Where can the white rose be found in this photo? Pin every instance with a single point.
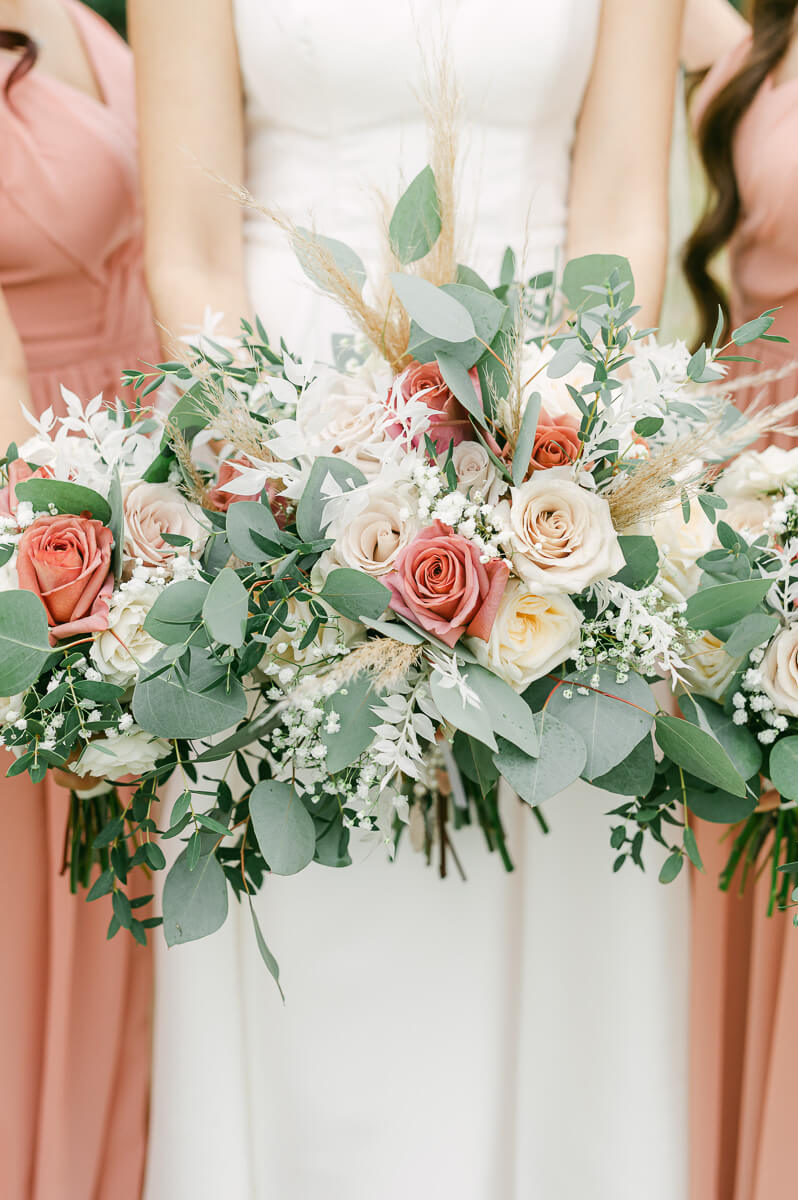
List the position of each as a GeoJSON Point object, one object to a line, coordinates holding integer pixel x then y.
{"type": "Point", "coordinates": [680, 545]}
{"type": "Point", "coordinates": [475, 472]}
{"type": "Point", "coordinates": [757, 472]}
{"type": "Point", "coordinates": [708, 669]}
{"type": "Point", "coordinates": [748, 516]}
{"type": "Point", "coordinates": [117, 754]}
{"type": "Point", "coordinates": [779, 671]}
{"type": "Point", "coordinates": [561, 536]}
{"type": "Point", "coordinates": [153, 509]}
{"type": "Point", "coordinates": [117, 650]}
{"type": "Point", "coordinates": [531, 635]}
{"type": "Point", "coordinates": [374, 527]}
{"type": "Point", "coordinates": [345, 414]}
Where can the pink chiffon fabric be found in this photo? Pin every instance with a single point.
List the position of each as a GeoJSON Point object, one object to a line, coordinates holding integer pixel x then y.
{"type": "Point", "coordinates": [744, 1020]}
{"type": "Point", "coordinates": [74, 1008]}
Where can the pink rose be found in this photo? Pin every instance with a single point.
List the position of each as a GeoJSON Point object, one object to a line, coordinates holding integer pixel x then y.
{"type": "Point", "coordinates": [442, 585]}
{"type": "Point", "coordinates": [449, 421]}
{"type": "Point", "coordinates": [18, 472]}
{"type": "Point", "coordinates": [65, 561]}
{"type": "Point", "coordinates": [220, 499]}
{"type": "Point", "coordinates": [556, 442]}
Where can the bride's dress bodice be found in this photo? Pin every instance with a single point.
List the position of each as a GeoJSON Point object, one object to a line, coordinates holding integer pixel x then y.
{"type": "Point", "coordinates": [333, 116]}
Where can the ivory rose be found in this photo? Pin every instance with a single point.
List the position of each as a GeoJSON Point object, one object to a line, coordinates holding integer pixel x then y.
{"type": "Point", "coordinates": [372, 538]}
{"type": "Point", "coordinates": [442, 585]}
{"type": "Point", "coordinates": [748, 515]}
{"type": "Point", "coordinates": [66, 562]}
{"type": "Point", "coordinates": [561, 536]}
{"type": "Point", "coordinates": [115, 755]}
{"type": "Point", "coordinates": [757, 472]}
{"type": "Point", "coordinates": [779, 671]}
{"type": "Point", "coordinates": [448, 420]}
{"type": "Point", "coordinates": [531, 635]}
{"type": "Point", "coordinates": [708, 669]}
{"type": "Point", "coordinates": [681, 543]}
{"type": "Point", "coordinates": [117, 651]}
{"type": "Point", "coordinates": [153, 509]}
{"type": "Point", "coordinates": [345, 415]}
{"type": "Point", "coordinates": [475, 472]}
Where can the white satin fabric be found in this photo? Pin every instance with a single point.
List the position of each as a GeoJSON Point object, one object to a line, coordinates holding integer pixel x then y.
{"type": "Point", "coordinates": [515, 1037]}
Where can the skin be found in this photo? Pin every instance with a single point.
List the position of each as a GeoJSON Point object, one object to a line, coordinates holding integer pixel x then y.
{"type": "Point", "coordinates": [190, 111]}
{"type": "Point", "coordinates": [711, 29]}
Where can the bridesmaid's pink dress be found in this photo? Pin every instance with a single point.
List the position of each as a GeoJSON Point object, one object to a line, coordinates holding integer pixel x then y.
{"type": "Point", "coordinates": [74, 1008]}
{"type": "Point", "coordinates": [744, 964]}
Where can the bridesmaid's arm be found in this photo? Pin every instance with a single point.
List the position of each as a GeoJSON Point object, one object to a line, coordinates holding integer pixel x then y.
{"type": "Point", "coordinates": [619, 180]}
{"type": "Point", "coordinates": [190, 122]}
{"type": "Point", "coordinates": [711, 29]}
{"type": "Point", "coordinates": [13, 383]}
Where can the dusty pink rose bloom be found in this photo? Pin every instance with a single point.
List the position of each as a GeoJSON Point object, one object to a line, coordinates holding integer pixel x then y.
{"type": "Point", "coordinates": [449, 421]}
{"type": "Point", "coordinates": [18, 472]}
{"type": "Point", "coordinates": [65, 561]}
{"type": "Point", "coordinates": [440, 583]}
{"type": "Point", "coordinates": [556, 442]}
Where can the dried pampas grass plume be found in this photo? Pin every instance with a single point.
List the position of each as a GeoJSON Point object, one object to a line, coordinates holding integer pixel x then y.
{"type": "Point", "coordinates": [653, 488]}
{"type": "Point", "coordinates": [440, 101]}
{"type": "Point", "coordinates": [387, 661]}
{"type": "Point", "coordinates": [195, 484]}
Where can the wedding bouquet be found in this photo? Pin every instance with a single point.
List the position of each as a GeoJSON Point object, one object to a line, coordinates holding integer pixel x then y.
{"type": "Point", "coordinates": [406, 576]}
{"type": "Point", "coordinates": [742, 678]}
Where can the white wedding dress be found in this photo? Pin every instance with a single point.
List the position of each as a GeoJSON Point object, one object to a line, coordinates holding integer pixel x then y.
{"type": "Point", "coordinates": [514, 1037]}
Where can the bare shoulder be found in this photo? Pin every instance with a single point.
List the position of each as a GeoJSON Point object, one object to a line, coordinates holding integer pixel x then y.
{"type": "Point", "coordinates": [712, 29]}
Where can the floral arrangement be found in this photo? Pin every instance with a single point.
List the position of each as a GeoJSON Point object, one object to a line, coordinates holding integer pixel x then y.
{"type": "Point", "coordinates": [359, 596]}
{"type": "Point", "coordinates": [741, 678]}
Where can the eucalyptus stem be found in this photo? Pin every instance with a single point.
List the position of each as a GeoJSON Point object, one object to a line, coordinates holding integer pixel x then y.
{"type": "Point", "coordinates": [774, 872]}
{"type": "Point", "coordinates": [737, 851]}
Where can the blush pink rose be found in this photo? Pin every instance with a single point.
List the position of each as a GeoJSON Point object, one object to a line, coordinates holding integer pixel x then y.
{"type": "Point", "coordinates": [220, 499]}
{"type": "Point", "coordinates": [556, 442]}
{"type": "Point", "coordinates": [441, 584]}
{"type": "Point", "coordinates": [449, 421]}
{"type": "Point", "coordinates": [18, 472]}
{"type": "Point", "coordinates": [66, 562]}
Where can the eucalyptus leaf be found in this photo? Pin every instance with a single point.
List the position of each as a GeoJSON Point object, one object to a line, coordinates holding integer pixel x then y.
{"type": "Point", "coordinates": [355, 595]}
{"type": "Point", "coordinates": [116, 523]}
{"type": "Point", "coordinates": [467, 715]}
{"type": "Point", "coordinates": [460, 383]}
{"type": "Point", "coordinates": [487, 315]}
{"type": "Point", "coordinates": [355, 733]}
{"type": "Point", "coordinates": [272, 965]}
{"type": "Point", "coordinates": [724, 603]}
{"type": "Point", "coordinates": [752, 631]}
{"type": "Point", "coordinates": [248, 516]}
{"type": "Point", "coordinates": [346, 259]}
{"type": "Point", "coordinates": [594, 270]}
{"type": "Point", "coordinates": [699, 753]}
{"type": "Point", "coordinates": [24, 641]}
{"type": "Point", "coordinates": [720, 807]}
{"type": "Point", "coordinates": [194, 901]}
{"type": "Point", "coordinates": [510, 715]}
{"type": "Point", "coordinates": [560, 760]}
{"type": "Point", "coordinates": [317, 492]}
{"type": "Point", "coordinates": [524, 446]}
{"type": "Point", "coordinates": [438, 314]}
{"type": "Point", "coordinates": [65, 496]}
{"type": "Point", "coordinates": [225, 609]}
{"type": "Point", "coordinates": [642, 560]}
{"type": "Point", "coordinates": [783, 767]}
{"type": "Point", "coordinates": [611, 719]}
{"type": "Point", "coordinates": [634, 775]}
{"type": "Point", "coordinates": [416, 222]}
{"type": "Point", "coordinates": [203, 703]}
{"type": "Point", "coordinates": [738, 742]}
{"type": "Point", "coordinates": [283, 826]}
{"type": "Point", "coordinates": [176, 612]}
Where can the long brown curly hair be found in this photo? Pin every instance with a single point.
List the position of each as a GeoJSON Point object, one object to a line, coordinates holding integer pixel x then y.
{"type": "Point", "coordinates": [12, 39]}
{"type": "Point", "coordinates": [773, 22]}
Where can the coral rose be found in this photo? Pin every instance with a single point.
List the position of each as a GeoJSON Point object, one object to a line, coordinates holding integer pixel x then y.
{"type": "Point", "coordinates": [66, 561]}
{"type": "Point", "coordinates": [556, 443]}
{"type": "Point", "coordinates": [449, 421]}
{"type": "Point", "coordinates": [442, 585]}
{"type": "Point", "coordinates": [220, 499]}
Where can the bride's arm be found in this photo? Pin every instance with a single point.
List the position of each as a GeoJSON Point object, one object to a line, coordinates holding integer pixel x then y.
{"type": "Point", "coordinates": [711, 29]}
{"type": "Point", "coordinates": [619, 181]}
{"type": "Point", "coordinates": [190, 122]}
{"type": "Point", "coordinates": [13, 383]}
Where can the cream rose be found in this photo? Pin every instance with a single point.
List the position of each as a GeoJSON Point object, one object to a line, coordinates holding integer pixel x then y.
{"type": "Point", "coordinates": [758, 472]}
{"type": "Point", "coordinates": [369, 538]}
{"type": "Point", "coordinates": [748, 516]}
{"type": "Point", "coordinates": [153, 509]}
{"type": "Point", "coordinates": [117, 650]}
{"type": "Point", "coordinates": [561, 536]}
{"type": "Point", "coordinates": [475, 472]}
{"type": "Point", "coordinates": [115, 755]}
{"type": "Point", "coordinates": [708, 669]}
{"type": "Point", "coordinates": [779, 671]}
{"type": "Point", "coordinates": [531, 635]}
{"type": "Point", "coordinates": [681, 543]}
{"type": "Point", "coordinates": [343, 414]}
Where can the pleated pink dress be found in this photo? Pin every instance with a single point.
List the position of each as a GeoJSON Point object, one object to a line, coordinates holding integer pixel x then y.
{"type": "Point", "coordinates": [744, 1002]}
{"type": "Point", "coordinates": [74, 1008]}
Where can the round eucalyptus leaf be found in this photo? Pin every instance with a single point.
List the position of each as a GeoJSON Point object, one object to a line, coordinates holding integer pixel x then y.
{"type": "Point", "coordinates": [194, 900]}
{"type": "Point", "coordinates": [283, 826]}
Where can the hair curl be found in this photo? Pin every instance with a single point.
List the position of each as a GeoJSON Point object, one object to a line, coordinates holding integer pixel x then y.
{"type": "Point", "coordinates": [773, 23]}
{"type": "Point", "coordinates": [12, 39]}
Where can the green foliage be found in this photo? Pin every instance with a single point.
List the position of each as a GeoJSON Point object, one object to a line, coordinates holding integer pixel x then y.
{"type": "Point", "coordinates": [66, 497]}
{"type": "Point", "coordinates": [560, 760]}
{"type": "Point", "coordinates": [484, 314]}
{"type": "Point", "coordinates": [194, 899]}
{"type": "Point", "coordinates": [435, 312]}
{"type": "Point", "coordinates": [195, 700]}
{"type": "Point", "coordinates": [114, 11]}
{"type": "Point", "coordinates": [24, 641]}
{"type": "Point", "coordinates": [611, 717]}
{"type": "Point", "coordinates": [283, 826]}
{"type": "Point", "coordinates": [416, 221]}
